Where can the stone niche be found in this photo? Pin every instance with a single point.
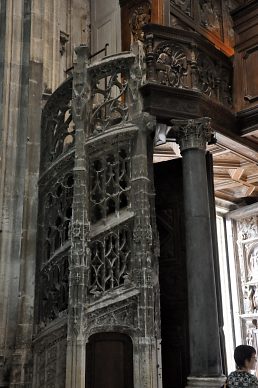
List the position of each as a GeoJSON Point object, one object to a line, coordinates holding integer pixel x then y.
{"type": "Point", "coordinates": [247, 252]}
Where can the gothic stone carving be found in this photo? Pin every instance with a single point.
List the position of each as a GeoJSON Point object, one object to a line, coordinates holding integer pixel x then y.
{"type": "Point", "coordinates": [248, 228]}
{"type": "Point", "coordinates": [110, 175]}
{"type": "Point", "coordinates": [122, 314]}
{"type": "Point", "coordinates": [57, 129]}
{"type": "Point", "coordinates": [50, 359]}
{"type": "Point", "coordinates": [110, 260]}
{"type": "Point", "coordinates": [64, 38]}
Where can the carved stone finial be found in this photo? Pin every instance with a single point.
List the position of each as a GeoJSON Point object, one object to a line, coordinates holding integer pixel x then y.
{"type": "Point", "coordinates": [82, 51]}
{"type": "Point", "coordinates": [193, 133]}
{"type": "Point", "coordinates": [81, 87]}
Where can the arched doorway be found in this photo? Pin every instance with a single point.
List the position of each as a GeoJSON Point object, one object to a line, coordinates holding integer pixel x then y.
{"type": "Point", "coordinates": [109, 361]}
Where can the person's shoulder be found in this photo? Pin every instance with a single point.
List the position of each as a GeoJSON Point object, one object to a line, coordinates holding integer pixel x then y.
{"type": "Point", "coordinates": [235, 373]}
{"type": "Point", "coordinates": [253, 379]}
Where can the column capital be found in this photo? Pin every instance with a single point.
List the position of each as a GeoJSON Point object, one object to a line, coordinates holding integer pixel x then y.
{"type": "Point", "coordinates": [192, 133]}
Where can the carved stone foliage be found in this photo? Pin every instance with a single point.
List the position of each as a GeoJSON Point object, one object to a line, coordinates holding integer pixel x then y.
{"type": "Point", "coordinates": [53, 281]}
{"type": "Point", "coordinates": [184, 5]}
{"type": "Point", "coordinates": [139, 16]}
{"type": "Point", "coordinates": [110, 260]}
{"type": "Point", "coordinates": [192, 133]}
{"type": "Point", "coordinates": [57, 125]}
{"type": "Point", "coordinates": [110, 175]}
{"type": "Point", "coordinates": [171, 65]}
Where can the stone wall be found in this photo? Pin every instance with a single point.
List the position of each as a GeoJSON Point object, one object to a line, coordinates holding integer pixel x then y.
{"type": "Point", "coordinates": [37, 38]}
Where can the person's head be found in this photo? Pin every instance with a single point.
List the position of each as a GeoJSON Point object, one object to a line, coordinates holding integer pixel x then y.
{"type": "Point", "coordinates": [245, 357]}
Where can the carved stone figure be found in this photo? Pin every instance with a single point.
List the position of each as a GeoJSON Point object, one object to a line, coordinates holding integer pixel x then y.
{"type": "Point", "coordinates": [248, 294]}
{"type": "Point", "coordinates": [255, 300]}
{"type": "Point", "coordinates": [253, 264]}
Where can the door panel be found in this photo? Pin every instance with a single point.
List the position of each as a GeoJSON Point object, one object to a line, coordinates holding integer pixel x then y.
{"type": "Point", "coordinates": [109, 361]}
{"type": "Point", "coordinates": [105, 26]}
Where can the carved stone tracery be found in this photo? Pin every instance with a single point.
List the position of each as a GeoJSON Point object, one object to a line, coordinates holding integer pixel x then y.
{"type": "Point", "coordinates": [110, 183]}
{"type": "Point", "coordinates": [110, 261]}
{"type": "Point", "coordinates": [95, 198]}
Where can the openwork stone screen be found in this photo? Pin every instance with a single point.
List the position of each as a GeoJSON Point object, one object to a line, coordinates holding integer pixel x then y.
{"type": "Point", "coordinates": [95, 259]}
{"type": "Point", "coordinates": [56, 184]}
{"type": "Point", "coordinates": [110, 260]}
{"type": "Point", "coordinates": [110, 175]}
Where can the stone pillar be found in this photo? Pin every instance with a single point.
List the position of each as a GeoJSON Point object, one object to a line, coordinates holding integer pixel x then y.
{"type": "Point", "coordinates": [205, 355]}
{"type": "Point", "coordinates": [76, 341]}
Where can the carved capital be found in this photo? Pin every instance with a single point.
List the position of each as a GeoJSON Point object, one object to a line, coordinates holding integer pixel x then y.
{"type": "Point", "coordinates": [193, 133]}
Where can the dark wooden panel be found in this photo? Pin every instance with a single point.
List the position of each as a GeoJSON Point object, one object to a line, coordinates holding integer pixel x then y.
{"type": "Point", "coordinates": [135, 14]}
{"type": "Point", "coordinates": [246, 57]}
{"type": "Point", "coordinates": [172, 269]}
{"type": "Point", "coordinates": [109, 361]}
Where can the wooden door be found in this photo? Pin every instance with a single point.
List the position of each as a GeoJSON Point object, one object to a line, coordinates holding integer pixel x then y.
{"type": "Point", "coordinates": [105, 26]}
{"type": "Point", "coordinates": [109, 361]}
{"type": "Point", "coordinates": [172, 269]}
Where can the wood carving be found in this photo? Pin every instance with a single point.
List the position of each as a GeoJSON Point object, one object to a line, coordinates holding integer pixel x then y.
{"type": "Point", "coordinates": [210, 16]}
{"type": "Point", "coordinates": [184, 5]}
{"type": "Point", "coordinates": [140, 15]}
{"type": "Point", "coordinates": [171, 66]}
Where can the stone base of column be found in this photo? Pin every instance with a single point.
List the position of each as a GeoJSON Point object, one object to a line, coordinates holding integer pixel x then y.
{"type": "Point", "coordinates": [205, 382]}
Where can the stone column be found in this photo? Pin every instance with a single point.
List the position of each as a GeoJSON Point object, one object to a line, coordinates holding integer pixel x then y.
{"type": "Point", "coordinates": [205, 355]}
{"type": "Point", "coordinates": [76, 341]}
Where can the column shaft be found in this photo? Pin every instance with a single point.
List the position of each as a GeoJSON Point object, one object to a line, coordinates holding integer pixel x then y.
{"type": "Point", "coordinates": [205, 356]}
{"type": "Point", "coordinates": [203, 318]}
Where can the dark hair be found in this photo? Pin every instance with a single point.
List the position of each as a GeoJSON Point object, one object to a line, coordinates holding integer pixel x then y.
{"type": "Point", "coordinates": [243, 353]}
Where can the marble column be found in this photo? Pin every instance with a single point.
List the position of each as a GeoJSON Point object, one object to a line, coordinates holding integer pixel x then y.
{"type": "Point", "coordinates": [205, 354]}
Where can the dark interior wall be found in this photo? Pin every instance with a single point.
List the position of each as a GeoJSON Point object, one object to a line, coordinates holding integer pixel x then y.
{"type": "Point", "coordinates": [172, 273]}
